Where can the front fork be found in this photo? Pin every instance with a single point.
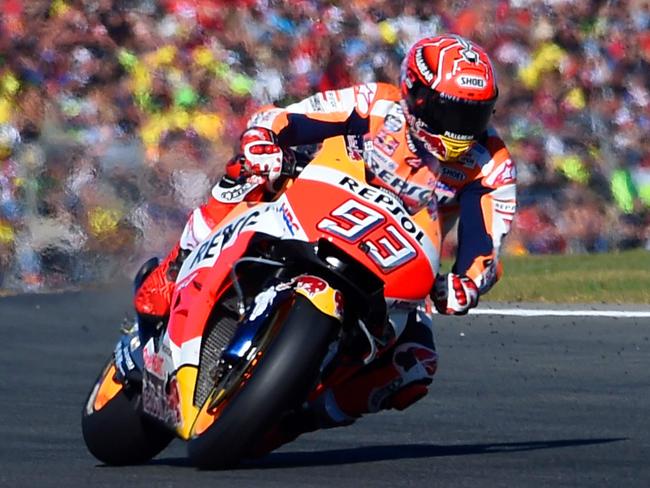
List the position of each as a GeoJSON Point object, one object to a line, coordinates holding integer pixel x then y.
{"type": "Point", "coordinates": [325, 298]}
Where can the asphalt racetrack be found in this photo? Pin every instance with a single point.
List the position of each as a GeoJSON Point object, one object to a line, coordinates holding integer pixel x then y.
{"type": "Point", "coordinates": [517, 402]}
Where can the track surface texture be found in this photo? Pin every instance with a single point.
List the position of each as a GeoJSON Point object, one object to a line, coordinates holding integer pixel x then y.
{"type": "Point", "coordinates": [517, 402]}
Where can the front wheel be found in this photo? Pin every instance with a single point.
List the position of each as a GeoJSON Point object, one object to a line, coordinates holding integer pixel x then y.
{"type": "Point", "coordinates": [114, 429]}
{"type": "Point", "coordinates": [287, 368]}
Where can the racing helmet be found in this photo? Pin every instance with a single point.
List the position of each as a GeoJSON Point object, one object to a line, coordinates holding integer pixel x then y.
{"type": "Point", "coordinates": [448, 94]}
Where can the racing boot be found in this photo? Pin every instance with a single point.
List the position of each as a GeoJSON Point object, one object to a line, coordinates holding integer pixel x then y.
{"type": "Point", "coordinates": [153, 294]}
{"type": "Point", "coordinates": [154, 285]}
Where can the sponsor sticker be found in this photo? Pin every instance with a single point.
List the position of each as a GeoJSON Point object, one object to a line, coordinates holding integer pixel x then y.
{"type": "Point", "coordinates": [389, 203]}
{"type": "Point", "coordinates": [454, 174]}
{"type": "Point", "coordinates": [364, 96]}
{"type": "Point", "coordinates": [316, 103]}
{"type": "Point", "coordinates": [444, 191]}
{"type": "Point", "coordinates": [470, 81]}
{"type": "Point", "coordinates": [332, 100]}
{"type": "Point", "coordinates": [234, 194]}
{"type": "Point", "coordinates": [289, 218]}
{"type": "Point", "coordinates": [354, 145]}
{"type": "Point", "coordinates": [394, 120]}
{"type": "Point", "coordinates": [157, 403]}
{"type": "Point", "coordinates": [262, 302]}
{"type": "Point", "coordinates": [504, 174]}
{"type": "Point", "coordinates": [311, 285]}
{"type": "Point", "coordinates": [386, 142]}
{"type": "Point", "coordinates": [153, 362]}
{"type": "Point", "coordinates": [265, 118]}
{"type": "Point", "coordinates": [422, 66]}
{"type": "Point", "coordinates": [505, 207]}
{"type": "Point", "coordinates": [207, 254]}
{"type": "Point", "coordinates": [379, 161]}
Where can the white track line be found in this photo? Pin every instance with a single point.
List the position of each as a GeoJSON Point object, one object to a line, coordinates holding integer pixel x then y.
{"type": "Point", "coordinates": [527, 312]}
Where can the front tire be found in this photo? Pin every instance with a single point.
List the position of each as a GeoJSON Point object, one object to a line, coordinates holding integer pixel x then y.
{"type": "Point", "coordinates": [117, 433]}
{"type": "Point", "coordinates": [286, 371]}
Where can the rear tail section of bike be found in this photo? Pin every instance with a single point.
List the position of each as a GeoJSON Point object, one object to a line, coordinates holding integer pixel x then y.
{"type": "Point", "coordinates": [113, 425]}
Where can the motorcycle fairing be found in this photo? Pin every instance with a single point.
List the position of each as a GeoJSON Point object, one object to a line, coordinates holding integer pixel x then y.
{"type": "Point", "coordinates": [396, 242]}
{"type": "Point", "coordinates": [296, 215]}
{"type": "Point", "coordinates": [205, 271]}
{"type": "Point", "coordinates": [199, 286]}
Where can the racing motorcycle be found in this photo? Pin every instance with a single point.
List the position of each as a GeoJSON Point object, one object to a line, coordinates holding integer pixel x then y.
{"type": "Point", "coordinates": [283, 300]}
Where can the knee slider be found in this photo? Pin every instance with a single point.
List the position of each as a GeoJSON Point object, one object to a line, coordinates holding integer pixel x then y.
{"type": "Point", "coordinates": [415, 362]}
{"type": "Point", "coordinates": [408, 395]}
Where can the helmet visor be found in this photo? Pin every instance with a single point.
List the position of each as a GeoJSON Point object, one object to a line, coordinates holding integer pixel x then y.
{"type": "Point", "coordinates": [451, 116]}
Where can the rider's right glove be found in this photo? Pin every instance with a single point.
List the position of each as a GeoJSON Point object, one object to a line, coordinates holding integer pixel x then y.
{"type": "Point", "coordinates": [262, 154]}
{"type": "Point", "coordinates": [454, 294]}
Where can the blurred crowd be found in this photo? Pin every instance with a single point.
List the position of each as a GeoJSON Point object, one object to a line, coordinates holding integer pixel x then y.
{"type": "Point", "coordinates": [116, 116]}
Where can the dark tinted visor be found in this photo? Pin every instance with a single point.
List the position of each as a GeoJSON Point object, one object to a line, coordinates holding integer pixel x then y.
{"type": "Point", "coordinates": [444, 114]}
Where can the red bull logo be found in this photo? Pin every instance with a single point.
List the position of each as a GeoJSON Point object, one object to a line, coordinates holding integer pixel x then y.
{"type": "Point", "coordinates": [289, 219]}
{"type": "Point", "coordinates": [321, 295]}
{"type": "Point", "coordinates": [311, 285]}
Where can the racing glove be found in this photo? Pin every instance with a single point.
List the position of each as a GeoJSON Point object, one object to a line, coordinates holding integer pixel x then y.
{"type": "Point", "coordinates": [263, 155]}
{"type": "Point", "coordinates": [454, 294]}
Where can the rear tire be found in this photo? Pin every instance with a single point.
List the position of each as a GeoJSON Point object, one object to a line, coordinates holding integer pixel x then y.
{"type": "Point", "coordinates": [286, 372]}
{"type": "Point", "coordinates": [118, 433]}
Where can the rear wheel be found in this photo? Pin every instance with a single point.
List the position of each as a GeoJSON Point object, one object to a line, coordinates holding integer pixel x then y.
{"type": "Point", "coordinates": [286, 368]}
{"type": "Point", "coordinates": [113, 427]}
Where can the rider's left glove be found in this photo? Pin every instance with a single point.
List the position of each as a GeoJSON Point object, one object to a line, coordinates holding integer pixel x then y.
{"type": "Point", "coordinates": [454, 294]}
{"type": "Point", "coordinates": [263, 155]}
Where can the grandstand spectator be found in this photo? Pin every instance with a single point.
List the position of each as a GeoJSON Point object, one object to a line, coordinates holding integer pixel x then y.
{"type": "Point", "coordinates": [134, 88]}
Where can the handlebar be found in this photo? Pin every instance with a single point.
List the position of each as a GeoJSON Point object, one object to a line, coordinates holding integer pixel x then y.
{"type": "Point", "coordinates": [295, 160]}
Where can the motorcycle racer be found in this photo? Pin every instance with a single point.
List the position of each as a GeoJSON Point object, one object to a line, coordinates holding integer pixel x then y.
{"type": "Point", "coordinates": [428, 141]}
